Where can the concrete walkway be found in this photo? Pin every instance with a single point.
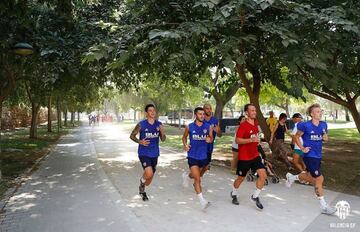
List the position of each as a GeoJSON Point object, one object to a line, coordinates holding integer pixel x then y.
{"type": "Point", "coordinates": [71, 192]}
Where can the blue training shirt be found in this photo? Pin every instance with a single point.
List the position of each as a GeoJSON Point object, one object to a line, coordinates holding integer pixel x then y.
{"type": "Point", "coordinates": [198, 144]}
{"type": "Point", "coordinates": [313, 137]}
{"type": "Point", "coordinates": [212, 122]}
{"type": "Point", "coordinates": [149, 132]}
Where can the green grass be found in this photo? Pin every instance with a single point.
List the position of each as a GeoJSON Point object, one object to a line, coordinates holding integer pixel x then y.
{"type": "Point", "coordinates": [20, 153]}
{"type": "Point", "coordinates": [344, 135]}
{"type": "Point", "coordinates": [19, 139]}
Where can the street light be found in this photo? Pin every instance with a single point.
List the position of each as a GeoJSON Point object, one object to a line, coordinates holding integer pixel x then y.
{"type": "Point", "coordinates": [23, 49]}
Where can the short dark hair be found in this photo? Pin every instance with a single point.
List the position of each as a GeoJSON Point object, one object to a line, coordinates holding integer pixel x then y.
{"type": "Point", "coordinates": [148, 106]}
{"type": "Point", "coordinates": [241, 117]}
{"type": "Point", "coordinates": [282, 116]}
{"type": "Point", "coordinates": [246, 107]}
{"type": "Point", "coordinates": [198, 109]}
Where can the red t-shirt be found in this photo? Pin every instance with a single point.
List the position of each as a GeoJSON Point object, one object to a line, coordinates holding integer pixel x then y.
{"type": "Point", "coordinates": [247, 151]}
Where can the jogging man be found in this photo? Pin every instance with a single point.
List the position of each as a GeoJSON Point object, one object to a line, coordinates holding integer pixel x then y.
{"type": "Point", "coordinates": [150, 131]}
{"type": "Point", "coordinates": [214, 123]}
{"type": "Point", "coordinates": [248, 139]}
{"type": "Point", "coordinates": [313, 133]}
{"type": "Point", "coordinates": [200, 134]}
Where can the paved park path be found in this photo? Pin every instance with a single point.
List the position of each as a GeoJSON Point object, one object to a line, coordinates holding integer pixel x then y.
{"type": "Point", "coordinates": [90, 182]}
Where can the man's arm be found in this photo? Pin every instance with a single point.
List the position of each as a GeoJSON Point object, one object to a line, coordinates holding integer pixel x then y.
{"type": "Point", "coordinates": [162, 133]}
{"type": "Point", "coordinates": [184, 139]}
{"type": "Point", "coordinates": [134, 133]}
{"type": "Point", "coordinates": [218, 130]}
{"type": "Point", "coordinates": [298, 142]}
{"type": "Point", "coordinates": [210, 138]}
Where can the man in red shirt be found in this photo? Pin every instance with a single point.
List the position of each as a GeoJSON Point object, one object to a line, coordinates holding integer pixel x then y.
{"type": "Point", "coordinates": [247, 137]}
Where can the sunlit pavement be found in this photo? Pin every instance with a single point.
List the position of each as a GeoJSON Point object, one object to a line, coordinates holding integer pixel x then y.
{"type": "Point", "coordinates": [71, 192]}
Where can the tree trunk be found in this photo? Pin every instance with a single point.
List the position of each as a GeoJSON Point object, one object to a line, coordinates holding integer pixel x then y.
{"type": "Point", "coordinates": [49, 126]}
{"type": "Point", "coordinates": [58, 111]}
{"type": "Point", "coordinates": [254, 95]}
{"type": "Point", "coordinates": [34, 115]}
{"type": "Point", "coordinates": [219, 108]}
{"type": "Point", "coordinates": [355, 114]}
{"type": "Point", "coordinates": [134, 115]}
{"type": "Point", "coordinates": [65, 116]}
{"type": "Point", "coordinates": [179, 119]}
{"type": "Point", "coordinates": [78, 116]}
{"type": "Point", "coordinates": [347, 116]}
{"type": "Point", "coordinates": [0, 122]}
{"type": "Point", "coordinates": [73, 118]}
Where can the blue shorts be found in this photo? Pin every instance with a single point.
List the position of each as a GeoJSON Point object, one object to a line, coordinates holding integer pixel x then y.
{"type": "Point", "coordinates": [195, 162]}
{"type": "Point", "coordinates": [313, 166]}
{"type": "Point", "coordinates": [147, 161]}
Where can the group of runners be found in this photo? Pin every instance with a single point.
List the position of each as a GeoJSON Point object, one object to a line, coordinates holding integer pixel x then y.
{"type": "Point", "coordinates": [198, 141]}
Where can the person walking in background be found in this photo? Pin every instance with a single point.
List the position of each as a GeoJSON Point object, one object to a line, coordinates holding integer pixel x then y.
{"type": "Point", "coordinates": [271, 121]}
{"type": "Point", "coordinates": [297, 153]}
{"type": "Point", "coordinates": [280, 150]}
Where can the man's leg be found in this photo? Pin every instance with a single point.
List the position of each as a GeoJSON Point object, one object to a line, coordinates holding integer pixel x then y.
{"type": "Point", "coordinates": [207, 167]}
{"type": "Point", "coordinates": [148, 175]}
{"type": "Point", "coordinates": [260, 182]}
{"type": "Point", "coordinates": [296, 162]}
{"type": "Point", "coordinates": [242, 169]}
{"type": "Point", "coordinates": [234, 161]}
{"type": "Point", "coordinates": [195, 174]}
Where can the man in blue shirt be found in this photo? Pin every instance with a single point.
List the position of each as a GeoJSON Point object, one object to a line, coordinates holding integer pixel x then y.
{"type": "Point", "coordinates": [214, 122]}
{"type": "Point", "coordinates": [200, 134]}
{"type": "Point", "coordinates": [313, 133]}
{"type": "Point", "coordinates": [150, 131]}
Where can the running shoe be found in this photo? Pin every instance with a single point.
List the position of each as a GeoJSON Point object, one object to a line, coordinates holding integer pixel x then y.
{"type": "Point", "coordinates": [328, 210]}
{"type": "Point", "coordinates": [289, 179]}
{"type": "Point", "coordinates": [144, 196]}
{"type": "Point", "coordinates": [234, 199]}
{"type": "Point", "coordinates": [257, 202]}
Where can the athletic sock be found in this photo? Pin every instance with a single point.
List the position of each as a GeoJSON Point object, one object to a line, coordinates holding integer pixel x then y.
{"type": "Point", "coordinates": [322, 201]}
{"type": "Point", "coordinates": [142, 180]}
{"type": "Point", "coordinates": [234, 191]}
{"type": "Point", "coordinates": [201, 198]}
{"type": "Point", "coordinates": [296, 177]}
{"type": "Point", "coordinates": [256, 193]}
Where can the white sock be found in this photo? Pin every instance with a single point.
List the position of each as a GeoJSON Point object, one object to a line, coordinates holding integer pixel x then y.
{"type": "Point", "coordinates": [256, 193]}
{"type": "Point", "coordinates": [322, 201]}
{"type": "Point", "coordinates": [201, 198]}
{"type": "Point", "coordinates": [234, 191]}
{"type": "Point", "coordinates": [142, 180]}
{"type": "Point", "coordinates": [296, 177]}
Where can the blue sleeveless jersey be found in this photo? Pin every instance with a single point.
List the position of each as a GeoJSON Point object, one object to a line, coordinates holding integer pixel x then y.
{"type": "Point", "coordinates": [212, 122]}
{"type": "Point", "coordinates": [150, 132]}
{"type": "Point", "coordinates": [198, 134]}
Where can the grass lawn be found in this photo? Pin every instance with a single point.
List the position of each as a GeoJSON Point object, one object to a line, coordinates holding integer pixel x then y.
{"type": "Point", "coordinates": [20, 153]}
{"type": "Point", "coordinates": [344, 134]}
